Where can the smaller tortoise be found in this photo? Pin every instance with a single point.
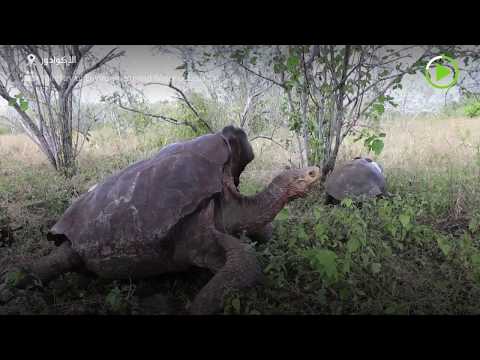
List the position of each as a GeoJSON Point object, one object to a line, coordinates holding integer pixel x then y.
{"type": "Point", "coordinates": [360, 178]}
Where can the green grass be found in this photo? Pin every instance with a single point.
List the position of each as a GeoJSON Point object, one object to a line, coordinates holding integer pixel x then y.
{"type": "Point", "coordinates": [416, 253]}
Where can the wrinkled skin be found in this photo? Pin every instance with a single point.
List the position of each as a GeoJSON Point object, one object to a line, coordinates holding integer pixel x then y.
{"type": "Point", "coordinates": [360, 178]}
{"type": "Point", "coordinates": [181, 208]}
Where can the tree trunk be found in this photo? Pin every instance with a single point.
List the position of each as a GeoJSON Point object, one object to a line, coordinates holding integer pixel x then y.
{"type": "Point", "coordinates": [305, 137]}
{"type": "Point", "coordinates": [66, 151]}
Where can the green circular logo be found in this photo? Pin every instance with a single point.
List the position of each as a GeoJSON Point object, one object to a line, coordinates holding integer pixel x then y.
{"type": "Point", "coordinates": [442, 72]}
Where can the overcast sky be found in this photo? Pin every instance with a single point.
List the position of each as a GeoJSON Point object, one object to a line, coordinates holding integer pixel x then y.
{"type": "Point", "coordinates": [140, 63]}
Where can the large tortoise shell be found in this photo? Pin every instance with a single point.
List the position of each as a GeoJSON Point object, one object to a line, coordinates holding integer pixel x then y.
{"type": "Point", "coordinates": [141, 204]}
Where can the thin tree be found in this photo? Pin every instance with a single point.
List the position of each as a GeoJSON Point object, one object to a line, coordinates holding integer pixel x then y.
{"type": "Point", "coordinates": [43, 83]}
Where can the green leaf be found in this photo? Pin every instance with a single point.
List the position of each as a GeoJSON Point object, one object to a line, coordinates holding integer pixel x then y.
{"type": "Point", "coordinates": [474, 224]}
{"type": "Point", "coordinates": [325, 262]}
{"type": "Point", "coordinates": [23, 104]}
{"type": "Point", "coordinates": [353, 245]}
{"type": "Point", "coordinates": [475, 258]}
{"type": "Point", "coordinates": [376, 267]}
{"type": "Point", "coordinates": [293, 62]}
{"type": "Point", "coordinates": [347, 202]}
{"type": "Point", "coordinates": [114, 300]}
{"type": "Point", "coordinates": [320, 232]}
{"type": "Point", "coordinates": [318, 213]}
{"type": "Point", "coordinates": [328, 259]}
{"type": "Point", "coordinates": [12, 102]}
{"type": "Point", "coordinates": [377, 146]}
{"type": "Point", "coordinates": [378, 108]}
{"type": "Point", "coordinates": [405, 221]}
{"type": "Point", "coordinates": [390, 310]}
{"type": "Point", "coordinates": [301, 234]}
{"type": "Point", "coordinates": [443, 244]}
{"type": "Point", "coordinates": [282, 215]}
{"type": "Point", "coordinates": [236, 305]}
{"type": "Point", "coordinates": [14, 277]}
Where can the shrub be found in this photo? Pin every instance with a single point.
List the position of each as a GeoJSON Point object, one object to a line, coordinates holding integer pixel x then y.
{"type": "Point", "coordinates": [472, 109]}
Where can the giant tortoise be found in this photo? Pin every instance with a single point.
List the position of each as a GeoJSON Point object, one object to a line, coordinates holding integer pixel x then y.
{"type": "Point", "coordinates": [359, 179]}
{"type": "Point", "coordinates": [178, 209]}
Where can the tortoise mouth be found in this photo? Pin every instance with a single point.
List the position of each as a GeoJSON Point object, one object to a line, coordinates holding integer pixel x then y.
{"type": "Point", "coordinates": [312, 175]}
{"type": "Point", "coordinates": [306, 177]}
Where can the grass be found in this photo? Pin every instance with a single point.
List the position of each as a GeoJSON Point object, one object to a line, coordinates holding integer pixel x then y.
{"type": "Point", "coordinates": [417, 253]}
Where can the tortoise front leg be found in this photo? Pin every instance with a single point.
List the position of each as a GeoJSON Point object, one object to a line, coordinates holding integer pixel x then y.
{"type": "Point", "coordinates": [241, 270]}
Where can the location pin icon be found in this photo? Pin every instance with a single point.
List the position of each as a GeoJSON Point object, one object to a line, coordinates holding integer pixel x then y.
{"type": "Point", "coordinates": [31, 59]}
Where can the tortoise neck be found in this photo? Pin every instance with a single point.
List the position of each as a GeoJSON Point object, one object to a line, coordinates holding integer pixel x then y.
{"type": "Point", "coordinates": [250, 213]}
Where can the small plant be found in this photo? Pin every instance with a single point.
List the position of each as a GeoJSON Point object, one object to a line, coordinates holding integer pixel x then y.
{"type": "Point", "coordinates": [117, 300]}
{"type": "Point", "coordinates": [13, 278]}
{"type": "Point", "coordinates": [19, 100]}
{"type": "Point", "coordinates": [324, 262]}
{"type": "Point", "coordinates": [372, 141]}
{"type": "Point", "coordinates": [472, 109]}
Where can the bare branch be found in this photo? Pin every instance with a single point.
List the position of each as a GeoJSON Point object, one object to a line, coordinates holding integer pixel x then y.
{"type": "Point", "coordinates": [260, 75]}
{"type": "Point", "coordinates": [112, 54]}
{"type": "Point", "coordinates": [184, 98]}
{"type": "Point", "coordinates": [158, 116]}
{"type": "Point", "coordinates": [268, 138]}
{"type": "Point", "coordinates": [249, 103]}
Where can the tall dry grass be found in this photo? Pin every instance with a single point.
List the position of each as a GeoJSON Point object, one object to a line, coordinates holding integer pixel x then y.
{"type": "Point", "coordinates": [410, 145]}
{"type": "Point", "coordinates": [429, 143]}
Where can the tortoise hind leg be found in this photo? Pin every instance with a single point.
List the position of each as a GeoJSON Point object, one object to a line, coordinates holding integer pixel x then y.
{"type": "Point", "coordinates": [59, 261]}
{"type": "Point", "coordinates": [240, 270]}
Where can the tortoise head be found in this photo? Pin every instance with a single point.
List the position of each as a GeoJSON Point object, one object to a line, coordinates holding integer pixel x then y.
{"type": "Point", "coordinates": [297, 182]}
{"type": "Point", "coordinates": [242, 152]}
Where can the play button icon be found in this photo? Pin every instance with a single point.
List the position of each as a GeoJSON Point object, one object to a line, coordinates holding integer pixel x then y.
{"type": "Point", "coordinates": [441, 72]}
{"type": "Point", "coordinates": [445, 74]}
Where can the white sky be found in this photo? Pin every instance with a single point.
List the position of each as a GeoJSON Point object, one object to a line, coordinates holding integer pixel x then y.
{"type": "Point", "coordinates": [141, 63]}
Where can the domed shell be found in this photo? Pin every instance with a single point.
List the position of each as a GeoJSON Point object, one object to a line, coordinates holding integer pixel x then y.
{"type": "Point", "coordinates": [128, 213]}
{"type": "Point", "coordinates": [358, 178]}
